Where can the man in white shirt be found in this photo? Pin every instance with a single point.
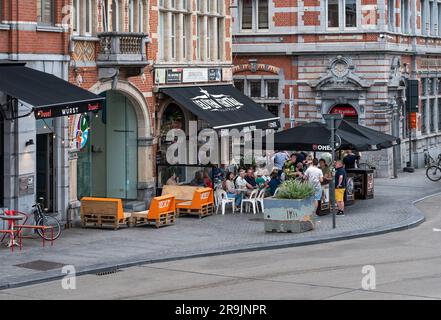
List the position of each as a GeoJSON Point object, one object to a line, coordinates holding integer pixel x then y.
{"type": "Point", "coordinates": [240, 182]}
{"type": "Point", "coordinates": [315, 176]}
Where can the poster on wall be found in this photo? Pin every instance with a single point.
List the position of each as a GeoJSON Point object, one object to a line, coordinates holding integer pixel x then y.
{"type": "Point", "coordinates": [81, 133]}
{"type": "Point", "coordinates": [174, 75]}
{"type": "Point", "coordinates": [227, 74]}
{"type": "Point", "coordinates": [214, 74]}
{"type": "Point", "coordinates": [159, 76]}
{"type": "Point", "coordinates": [195, 75]}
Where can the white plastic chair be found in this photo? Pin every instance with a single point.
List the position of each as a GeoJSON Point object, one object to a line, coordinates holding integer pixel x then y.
{"type": "Point", "coordinates": [252, 200]}
{"type": "Point", "coordinates": [223, 200]}
{"type": "Point", "coordinates": [275, 192]}
{"type": "Point", "coordinates": [259, 200]}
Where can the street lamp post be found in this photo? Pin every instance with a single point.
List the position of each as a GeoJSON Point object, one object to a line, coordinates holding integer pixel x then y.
{"type": "Point", "coordinates": [333, 122]}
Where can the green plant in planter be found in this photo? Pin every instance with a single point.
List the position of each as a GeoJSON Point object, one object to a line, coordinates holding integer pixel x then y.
{"type": "Point", "coordinates": [293, 189]}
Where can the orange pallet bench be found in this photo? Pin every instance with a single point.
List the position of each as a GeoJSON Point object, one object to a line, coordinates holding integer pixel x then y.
{"type": "Point", "coordinates": [201, 205]}
{"type": "Point", "coordinates": [162, 212]}
{"type": "Point", "coordinates": [103, 212]}
{"type": "Point", "coordinates": [181, 193]}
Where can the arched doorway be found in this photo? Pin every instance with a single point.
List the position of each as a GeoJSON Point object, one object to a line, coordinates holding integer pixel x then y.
{"type": "Point", "coordinates": [108, 163]}
{"type": "Point", "coordinates": [348, 111]}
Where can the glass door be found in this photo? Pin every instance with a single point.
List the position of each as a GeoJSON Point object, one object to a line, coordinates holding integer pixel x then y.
{"type": "Point", "coordinates": [2, 162]}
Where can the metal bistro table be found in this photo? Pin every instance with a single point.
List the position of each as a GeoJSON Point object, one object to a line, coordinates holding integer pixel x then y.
{"type": "Point", "coordinates": [12, 220]}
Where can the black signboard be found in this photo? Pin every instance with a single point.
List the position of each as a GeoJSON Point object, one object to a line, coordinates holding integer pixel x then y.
{"type": "Point", "coordinates": [174, 76]}
{"type": "Point", "coordinates": [412, 95]}
{"type": "Point", "coordinates": [66, 110]}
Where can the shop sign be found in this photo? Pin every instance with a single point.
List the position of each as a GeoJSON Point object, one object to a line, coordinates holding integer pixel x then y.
{"type": "Point", "coordinates": [214, 74]}
{"type": "Point", "coordinates": [321, 147]}
{"type": "Point", "coordinates": [61, 111]}
{"type": "Point", "coordinates": [81, 132]}
{"type": "Point", "coordinates": [174, 75]}
{"type": "Point", "coordinates": [346, 111]}
{"type": "Point", "coordinates": [216, 102]}
{"type": "Point", "coordinates": [159, 76]}
{"type": "Point", "coordinates": [195, 75]}
{"type": "Point", "coordinates": [227, 74]}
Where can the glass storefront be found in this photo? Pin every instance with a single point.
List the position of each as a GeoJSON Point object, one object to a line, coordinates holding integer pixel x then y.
{"type": "Point", "coordinates": [2, 157]}
{"type": "Point", "coordinates": [108, 163]}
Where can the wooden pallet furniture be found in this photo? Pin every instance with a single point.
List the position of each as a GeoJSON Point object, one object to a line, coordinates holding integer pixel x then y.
{"type": "Point", "coordinates": [202, 204]}
{"type": "Point", "coordinates": [181, 193]}
{"type": "Point", "coordinates": [162, 212]}
{"type": "Point", "coordinates": [103, 213]}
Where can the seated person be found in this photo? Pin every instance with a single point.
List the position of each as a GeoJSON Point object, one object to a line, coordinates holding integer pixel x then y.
{"type": "Point", "coordinates": [231, 191]}
{"type": "Point", "coordinates": [274, 183]}
{"type": "Point", "coordinates": [198, 180]}
{"type": "Point", "coordinates": [251, 181]}
{"type": "Point", "coordinates": [240, 180]}
{"type": "Point", "coordinates": [261, 179]}
{"type": "Point", "coordinates": [207, 181]}
{"type": "Point", "coordinates": [173, 180]}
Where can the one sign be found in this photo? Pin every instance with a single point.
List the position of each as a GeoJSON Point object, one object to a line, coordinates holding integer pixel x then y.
{"type": "Point", "coordinates": [81, 132]}
{"type": "Point", "coordinates": [227, 74]}
{"type": "Point", "coordinates": [67, 110]}
{"type": "Point", "coordinates": [194, 75]}
{"type": "Point", "coordinates": [214, 74]}
{"type": "Point", "coordinates": [174, 75]}
{"type": "Point", "coordinates": [216, 102]}
{"type": "Point", "coordinates": [346, 111]}
{"type": "Point", "coordinates": [412, 95]}
{"type": "Point", "coordinates": [321, 147]}
{"type": "Point", "coordinates": [159, 76]}
{"type": "Point", "coordinates": [413, 120]}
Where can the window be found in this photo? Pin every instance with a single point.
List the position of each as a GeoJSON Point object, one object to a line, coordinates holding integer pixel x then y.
{"type": "Point", "coordinates": [255, 88]}
{"type": "Point", "coordinates": [272, 88]}
{"type": "Point", "coordinates": [173, 37]}
{"type": "Point", "coordinates": [161, 40]}
{"type": "Point", "coordinates": [75, 16]}
{"type": "Point", "coordinates": [1, 13]}
{"type": "Point", "coordinates": [140, 16]}
{"type": "Point", "coordinates": [425, 17]}
{"type": "Point", "coordinates": [432, 25]}
{"type": "Point", "coordinates": [239, 85]}
{"type": "Point", "coordinates": [439, 114]}
{"type": "Point", "coordinates": [391, 14]}
{"type": "Point", "coordinates": [424, 116]}
{"type": "Point", "coordinates": [88, 17]}
{"type": "Point", "coordinates": [405, 16]}
{"type": "Point", "coordinates": [333, 21]}
{"type": "Point", "coordinates": [131, 14]}
{"type": "Point", "coordinates": [273, 108]}
{"type": "Point", "coordinates": [45, 12]}
{"type": "Point", "coordinates": [432, 115]}
{"type": "Point", "coordinates": [430, 84]}
{"type": "Point", "coordinates": [254, 15]}
{"type": "Point", "coordinates": [209, 38]}
{"type": "Point", "coordinates": [342, 13]}
{"type": "Point", "coordinates": [351, 13]}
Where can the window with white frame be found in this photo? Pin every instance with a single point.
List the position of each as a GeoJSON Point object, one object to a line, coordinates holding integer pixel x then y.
{"type": "Point", "coordinates": [254, 15]}
{"type": "Point", "coordinates": [405, 20]}
{"type": "Point", "coordinates": [391, 14]}
{"type": "Point", "coordinates": [45, 12]}
{"type": "Point", "coordinates": [82, 13]}
{"type": "Point", "coordinates": [341, 14]}
{"type": "Point", "coordinates": [425, 17]}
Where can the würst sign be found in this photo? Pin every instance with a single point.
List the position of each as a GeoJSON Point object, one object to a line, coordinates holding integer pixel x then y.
{"type": "Point", "coordinates": [67, 110]}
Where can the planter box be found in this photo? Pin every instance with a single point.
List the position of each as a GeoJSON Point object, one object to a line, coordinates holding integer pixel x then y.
{"type": "Point", "coordinates": [289, 215]}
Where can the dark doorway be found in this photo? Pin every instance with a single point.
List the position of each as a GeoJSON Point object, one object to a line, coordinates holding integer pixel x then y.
{"type": "Point", "coordinates": [45, 170]}
{"type": "Point", "coordinates": [2, 161]}
{"type": "Point", "coordinates": [349, 112]}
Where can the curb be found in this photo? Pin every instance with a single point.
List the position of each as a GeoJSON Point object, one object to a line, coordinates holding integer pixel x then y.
{"type": "Point", "coordinates": [412, 222]}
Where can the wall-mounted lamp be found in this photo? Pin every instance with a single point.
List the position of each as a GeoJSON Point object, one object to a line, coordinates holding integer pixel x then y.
{"type": "Point", "coordinates": [30, 142]}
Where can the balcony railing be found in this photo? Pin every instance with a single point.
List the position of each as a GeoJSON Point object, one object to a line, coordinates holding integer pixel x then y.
{"type": "Point", "coordinates": [122, 49]}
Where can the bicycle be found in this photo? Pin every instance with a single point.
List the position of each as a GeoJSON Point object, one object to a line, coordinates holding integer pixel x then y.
{"type": "Point", "coordinates": [42, 219]}
{"type": "Point", "coordinates": [433, 172]}
{"type": "Point", "coordinates": [429, 161]}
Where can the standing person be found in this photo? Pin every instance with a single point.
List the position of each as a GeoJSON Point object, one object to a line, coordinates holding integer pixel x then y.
{"type": "Point", "coordinates": [279, 159]}
{"type": "Point", "coordinates": [301, 157]}
{"type": "Point", "coordinates": [350, 160]}
{"type": "Point", "coordinates": [315, 176]}
{"type": "Point", "coordinates": [340, 187]}
{"type": "Point", "coordinates": [290, 167]}
{"type": "Point", "coordinates": [327, 175]}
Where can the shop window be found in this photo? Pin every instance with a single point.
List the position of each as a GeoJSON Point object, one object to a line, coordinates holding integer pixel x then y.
{"type": "Point", "coordinates": [273, 108]}
{"type": "Point", "coordinates": [254, 15]}
{"type": "Point", "coordinates": [255, 88]}
{"type": "Point", "coordinates": [272, 89]}
{"type": "Point", "coordinates": [239, 85]}
{"type": "Point", "coordinates": [45, 12]}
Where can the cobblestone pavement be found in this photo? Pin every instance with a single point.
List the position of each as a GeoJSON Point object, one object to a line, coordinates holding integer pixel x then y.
{"type": "Point", "coordinates": [90, 250]}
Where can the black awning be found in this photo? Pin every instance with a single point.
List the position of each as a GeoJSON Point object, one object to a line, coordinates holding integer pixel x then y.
{"type": "Point", "coordinates": [49, 95]}
{"type": "Point", "coordinates": [222, 106]}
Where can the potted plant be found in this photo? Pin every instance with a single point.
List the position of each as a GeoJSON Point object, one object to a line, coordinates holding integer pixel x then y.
{"type": "Point", "coordinates": [291, 209]}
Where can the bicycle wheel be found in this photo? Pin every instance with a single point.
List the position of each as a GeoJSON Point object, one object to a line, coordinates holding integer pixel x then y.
{"type": "Point", "coordinates": [364, 166]}
{"type": "Point", "coordinates": [433, 173]}
{"type": "Point", "coordinates": [49, 221]}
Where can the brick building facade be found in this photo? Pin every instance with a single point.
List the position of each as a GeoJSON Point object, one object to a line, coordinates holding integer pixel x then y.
{"type": "Point", "coordinates": [346, 56]}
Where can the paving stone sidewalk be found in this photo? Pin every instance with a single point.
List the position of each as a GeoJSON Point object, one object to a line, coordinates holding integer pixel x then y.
{"type": "Point", "coordinates": [93, 250]}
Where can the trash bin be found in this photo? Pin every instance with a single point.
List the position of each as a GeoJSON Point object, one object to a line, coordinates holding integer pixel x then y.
{"type": "Point", "coordinates": [363, 183]}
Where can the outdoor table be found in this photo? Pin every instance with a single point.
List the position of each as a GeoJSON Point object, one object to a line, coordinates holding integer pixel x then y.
{"type": "Point", "coordinates": [12, 220]}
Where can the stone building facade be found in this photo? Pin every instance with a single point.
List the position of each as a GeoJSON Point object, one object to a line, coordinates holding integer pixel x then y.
{"type": "Point", "coordinates": [345, 56]}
